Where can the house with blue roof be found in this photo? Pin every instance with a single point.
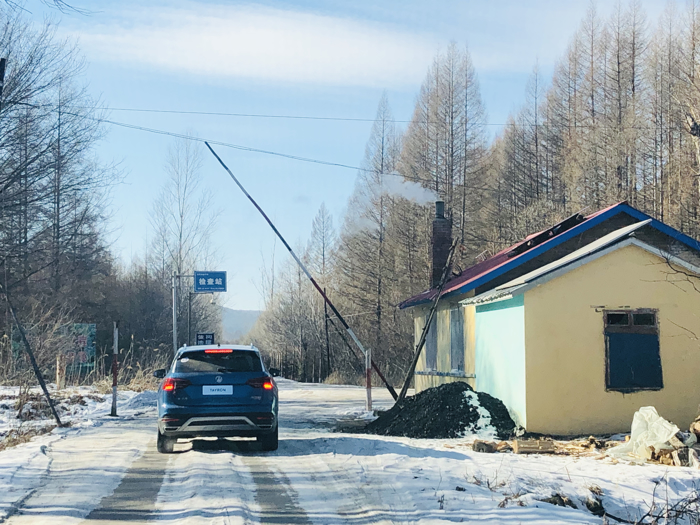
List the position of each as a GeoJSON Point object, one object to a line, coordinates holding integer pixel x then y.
{"type": "Point", "coordinates": [575, 327]}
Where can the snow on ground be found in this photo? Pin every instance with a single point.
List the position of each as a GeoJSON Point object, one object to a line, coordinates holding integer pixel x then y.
{"type": "Point", "coordinates": [75, 405]}
{"type": "Point", "coordinates": [320, 476]}
{"type": "Point", "coordinates": [482, 429]}
{"type": "Point", "coordinates": [434, 481]}
{"type": "Point", "coordinates": [95, 454]}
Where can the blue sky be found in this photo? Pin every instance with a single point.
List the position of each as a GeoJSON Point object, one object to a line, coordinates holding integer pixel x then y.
{"type": "Point", "coordinates": [315, 58]}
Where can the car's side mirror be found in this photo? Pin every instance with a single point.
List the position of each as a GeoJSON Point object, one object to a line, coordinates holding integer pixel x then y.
{"type": "Point", "coordinates": [274, 372]}
{"type": "Point", "coordinates": [160, 374]}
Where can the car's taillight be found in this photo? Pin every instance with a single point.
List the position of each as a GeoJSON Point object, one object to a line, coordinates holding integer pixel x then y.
{"type": "Point", "coordinates": [265, 383]}
{"type": "Point", "coordinates": [173, 383]}
{"type": "Point", "coordinates": [219, 351]}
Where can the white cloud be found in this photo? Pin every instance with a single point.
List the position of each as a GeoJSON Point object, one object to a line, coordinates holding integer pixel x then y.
{"type": "Point", "coordinates": [261, 43]}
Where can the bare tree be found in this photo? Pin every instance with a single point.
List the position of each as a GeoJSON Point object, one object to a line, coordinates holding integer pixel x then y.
{"type": "Point", "coordinates": [182, 220]}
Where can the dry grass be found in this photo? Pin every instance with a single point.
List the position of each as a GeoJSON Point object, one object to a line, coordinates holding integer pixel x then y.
{"type": "Point", "coordinates": [17, 436]}
{"type": "Point", "coordinates": [138, 382]}
{"type": "Point", "coordinates": [342, 378]}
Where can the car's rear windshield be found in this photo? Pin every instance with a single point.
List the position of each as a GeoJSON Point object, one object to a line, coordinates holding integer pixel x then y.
{"type": "Point", "coordinates": [236, 361]}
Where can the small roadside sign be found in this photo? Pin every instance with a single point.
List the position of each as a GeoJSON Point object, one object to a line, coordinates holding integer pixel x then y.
{"type": "Point", "coordinates": [206, 338]}
{"type": "Point", "coordinates": [209, 282]}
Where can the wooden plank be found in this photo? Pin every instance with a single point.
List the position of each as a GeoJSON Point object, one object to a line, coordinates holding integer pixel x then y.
{"type": "Point", "coordinates": [535, 446]}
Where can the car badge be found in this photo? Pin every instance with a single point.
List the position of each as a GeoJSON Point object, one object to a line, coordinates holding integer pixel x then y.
{"type": "Point", "coordinates": [219, 379]}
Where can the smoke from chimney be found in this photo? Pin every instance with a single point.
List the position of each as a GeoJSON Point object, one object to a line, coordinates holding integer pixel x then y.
{"type": "Point", "coordinates": [442, 240]}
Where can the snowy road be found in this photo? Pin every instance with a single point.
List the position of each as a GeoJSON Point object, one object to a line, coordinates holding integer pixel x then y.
{"type": "Point", "coordinates": [109, 472]}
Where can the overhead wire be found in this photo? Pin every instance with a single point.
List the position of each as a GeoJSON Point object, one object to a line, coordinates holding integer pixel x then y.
{"type": "Point", "coordinates": [229, 145]}
{"type": "Point", "coordinates": [344, 119]}
{"type": "Point", "coordinates": [240, 147]}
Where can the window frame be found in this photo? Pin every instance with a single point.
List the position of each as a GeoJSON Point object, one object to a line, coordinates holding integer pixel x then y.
{"type": "Point", "coordinates": [631, 328]}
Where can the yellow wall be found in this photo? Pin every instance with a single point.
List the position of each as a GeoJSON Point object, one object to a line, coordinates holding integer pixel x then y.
{"type": "Point", "coordinates": [565, 347]}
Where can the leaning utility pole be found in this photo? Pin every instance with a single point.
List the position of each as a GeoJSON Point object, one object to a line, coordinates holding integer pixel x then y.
{"type": "Point", "coordinates": [431, 315]}
{"type": "Point", "coordinates": [316, 285]}
{"type": "Point", "coordinates": [32, 359]}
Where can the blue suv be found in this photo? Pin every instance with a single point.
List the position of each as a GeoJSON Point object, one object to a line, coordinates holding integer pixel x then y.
{"type": "Point", "coordinates": [214, 390]}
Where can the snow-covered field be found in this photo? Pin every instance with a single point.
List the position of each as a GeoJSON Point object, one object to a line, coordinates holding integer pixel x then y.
{"type": "Point", "coordinates": [106, 468]}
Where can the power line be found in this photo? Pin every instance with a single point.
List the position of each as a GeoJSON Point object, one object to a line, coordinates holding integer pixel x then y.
{"type": "Point", "coordinates": [511, 124]}
{"type": "Point", "coordinates": [219, 143]}
{"type": "Point", "coordinates": [228, 145]}
{"type": "Point", "coordinates": [246, 115]}
{"type": "Point", "coordinates": [359, 119]}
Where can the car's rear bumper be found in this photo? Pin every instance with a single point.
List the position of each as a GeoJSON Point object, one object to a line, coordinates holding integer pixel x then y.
{"type": "Point", "coordinates": [248, 424]}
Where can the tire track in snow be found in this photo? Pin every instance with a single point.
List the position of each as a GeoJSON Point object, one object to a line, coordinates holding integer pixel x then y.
{"type": "Point", "coordinates": [207, 481]}
{"type": "Point", "coordinates": [274, 494]}
{"type": "Point", "coordinates": [134, 500]}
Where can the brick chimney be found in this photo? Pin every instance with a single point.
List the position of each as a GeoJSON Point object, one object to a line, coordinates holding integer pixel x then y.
{"type": "Point", "coordinates": [442, 240]}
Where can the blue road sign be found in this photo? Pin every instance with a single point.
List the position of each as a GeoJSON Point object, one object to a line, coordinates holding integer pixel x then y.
{"type": "Point", "coordinates": [208, 282]}
{"type": "Point", "coordinates": [206, 338]}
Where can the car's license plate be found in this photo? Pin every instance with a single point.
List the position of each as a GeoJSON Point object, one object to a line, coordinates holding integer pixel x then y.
{"type": "Point", "coordinates": [217, 390]}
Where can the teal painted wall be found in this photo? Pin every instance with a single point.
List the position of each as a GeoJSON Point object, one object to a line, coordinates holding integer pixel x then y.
{"type": "Point", "coordinates": [500, 353]}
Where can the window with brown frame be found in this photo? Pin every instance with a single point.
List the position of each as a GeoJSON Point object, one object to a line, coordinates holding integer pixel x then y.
{"type": "Point", "coordinates": [632, 354]}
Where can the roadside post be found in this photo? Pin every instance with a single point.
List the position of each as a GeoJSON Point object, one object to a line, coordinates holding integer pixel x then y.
{"type": "Point", "coordinates": [115, 354]}
{"type": "Point", "coordinates": [368, 377]}
{"type": "Point", "coordinates": [175, 276]}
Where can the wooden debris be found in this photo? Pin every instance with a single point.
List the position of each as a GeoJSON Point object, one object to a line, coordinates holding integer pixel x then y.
{"type": "Point", "coordinates": [677, 441]}
{"type": "Point", "coordinates": [596, 443]}
{"type": "Point", "coordinates": [535, 446]}
{"type": "Point", "coordinates": [693, 459]}
{"type": "Point", "coordinates": [664, 457]}
{"type": "Point", "coordinates": [504, 446]}
{"type": "Point", "coordinates": [695, 427]}
{"type": "Point", "coordinates": [681, 457]}
{"type": "Point", "coordinates": [487, 447]}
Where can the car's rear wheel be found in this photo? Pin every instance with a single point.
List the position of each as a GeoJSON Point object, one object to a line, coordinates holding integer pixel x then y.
{"type": "Point", "coordinates": [269, 441]}
{"type": "Point", "coordinates": [165, 445]}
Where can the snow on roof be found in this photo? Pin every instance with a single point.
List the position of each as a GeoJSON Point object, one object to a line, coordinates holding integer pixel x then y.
{"type": "Point", "coordinates": [517, 285]}
{"type": "Point", "coordinates": [596, 245]}
{"type": "Point", "coordinates": [536, 244]}
{"type": "Point", "coordinates": [505, 259]}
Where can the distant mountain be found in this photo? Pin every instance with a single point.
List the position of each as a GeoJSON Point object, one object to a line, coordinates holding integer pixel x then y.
{"type": "Point", "coordinates": [237, 323]}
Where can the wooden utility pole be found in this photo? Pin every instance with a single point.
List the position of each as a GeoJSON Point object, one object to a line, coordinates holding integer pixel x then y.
{"type": "Point", "coordinates": [32, 359]}
{"type": "Point", "coordinates": [303, 268]}
{"type": "Point", "coordinates": [115, 368]}
{"type": "Point", "coordinates": [175, 312]}
{"type": "Point", "coordinates": [328, 339]}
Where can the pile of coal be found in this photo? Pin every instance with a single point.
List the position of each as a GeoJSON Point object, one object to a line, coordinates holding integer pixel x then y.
{"type": "Point", "coordinates": [446, 411]}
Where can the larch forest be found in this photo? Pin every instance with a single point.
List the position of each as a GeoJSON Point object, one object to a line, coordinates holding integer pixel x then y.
{"type": "Point", "coordinates": [618, 121]}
